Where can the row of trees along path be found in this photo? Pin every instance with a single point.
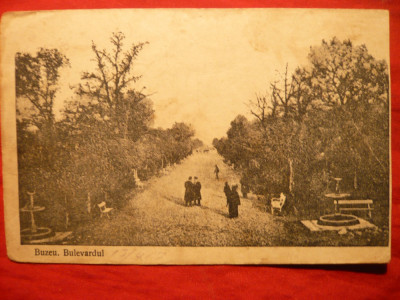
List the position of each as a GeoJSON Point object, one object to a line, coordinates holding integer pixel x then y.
{"type": "Point", "coordinates": [91, 147]}
{"type": "Point", "coordinates": [157, 216]}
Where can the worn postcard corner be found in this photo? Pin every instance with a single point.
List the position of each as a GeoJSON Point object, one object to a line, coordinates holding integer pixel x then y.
{"type": "Point", "coordinates": [187, 136]}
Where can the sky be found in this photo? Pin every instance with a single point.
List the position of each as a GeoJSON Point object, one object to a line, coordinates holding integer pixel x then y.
{"type": "Point", "coordinates": [201, 66]}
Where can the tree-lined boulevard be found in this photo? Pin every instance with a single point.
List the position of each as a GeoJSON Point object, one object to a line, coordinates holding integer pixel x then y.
{"type": "Point", "coordinates": [326, 120]}
{"type": "Point", "coordinates": [157, 216]}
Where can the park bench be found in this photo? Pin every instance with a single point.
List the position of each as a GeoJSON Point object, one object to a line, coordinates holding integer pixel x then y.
{"type": "Point", "coordinates": [138, 183]}
{"type": "Point", "coordinates": [354, 205]}
{"type": "Point", "coordinates": [277, 203]}
{"type": "Point", "coordinates": [104, 210]}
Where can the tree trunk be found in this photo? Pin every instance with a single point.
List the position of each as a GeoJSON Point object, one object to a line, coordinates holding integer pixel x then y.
{"type": "Point", "coordinates": [291, 176]}
{"type": "Point", "coordinates": [126, 124]}
{"type": "Point", "coordinates": [66, 212]}
{"type": "Point", "coordinates": [355, 182]}
{"type": "Point", "coordinates": [89, 204]}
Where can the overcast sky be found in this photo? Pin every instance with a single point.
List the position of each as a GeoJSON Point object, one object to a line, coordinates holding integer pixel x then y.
{"type": "Point", "coordinates": [201, 66]}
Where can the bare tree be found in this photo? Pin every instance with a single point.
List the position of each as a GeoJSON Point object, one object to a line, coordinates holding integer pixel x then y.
{"type": "Point", "coordinates": [302, 93]}
{"type": "Point", "coordinates": [110, 85]}
{"type": "Point", "coordinates": [283, 94]}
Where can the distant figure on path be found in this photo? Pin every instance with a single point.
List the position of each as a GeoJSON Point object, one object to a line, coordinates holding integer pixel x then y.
{"type": "Point", "coordinates": [234, 202]}
{"type": "Point", "coordinates": [188, 191]}
{"type": "Point", "coordinates": [197, 191]}
{"type": "Point", "coordinates": [216, 171]}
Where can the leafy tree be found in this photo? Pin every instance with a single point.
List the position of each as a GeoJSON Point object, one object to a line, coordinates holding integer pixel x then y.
{"type": "Point", "coordinates": [197, 143]}
{"type": "Point", "coordinates": [327, 119]}
{"type": "Point", "coordinates": [354, 85]}
{"type": "Point", "coordinates": [182, 134]}
{"type": "Point", "coordinates": [92, 153]}
{"type": "Point", "coordinates": [344, 74]}
{"type": "Point", "coordinates": [36, 80]}
{"type": "Point", "coordinates": [40, 151]}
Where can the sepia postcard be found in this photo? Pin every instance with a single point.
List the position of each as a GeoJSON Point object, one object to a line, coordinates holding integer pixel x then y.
{"type": "Point", "coordinates": [196, 136]}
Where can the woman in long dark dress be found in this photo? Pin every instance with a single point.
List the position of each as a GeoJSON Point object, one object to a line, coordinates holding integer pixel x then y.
{"type": "Point", "coordinates": [228, 192]}
{"type": "Point", "coordinates": [234, 203]}
{"type": "Point", "coordinates": [189, 192]}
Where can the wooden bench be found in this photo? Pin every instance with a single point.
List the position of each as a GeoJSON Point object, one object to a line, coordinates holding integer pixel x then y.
{"type": "Point", "coordinates": [277, 203]}
{"type": "Point", "coordinates": [138, 183]}
{"type": "Point", "coordinates": [354, 205]}
{"type": "Point", "coordinates": [104, 210]}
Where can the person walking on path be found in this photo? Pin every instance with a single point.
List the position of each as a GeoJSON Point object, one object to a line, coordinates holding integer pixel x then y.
{"type": "Point", "coordinates": [234, 202]}
{"type": "Point", "coordinates": [188, 191]}
{"type": "Point", "coordinates": [216, 171]}
{"type": "Point", "coordinates": [197, 192]}
{"type": "Point", "coordinates": [227, 192]}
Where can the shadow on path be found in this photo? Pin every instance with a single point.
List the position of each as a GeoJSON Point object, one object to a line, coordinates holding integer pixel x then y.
{"type": "Point", "coordinates": [218, 196]}
{"type": "Point", "coordinates": [175, 200]}
{"type": "Point", "coordinates": [180, 202]}
{"type": "Point", "coordinates": [217, 211]}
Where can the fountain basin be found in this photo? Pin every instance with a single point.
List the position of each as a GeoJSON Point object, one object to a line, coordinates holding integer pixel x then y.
{"type": "Point", "coordinates": [32, 208]}
{"type": "Point", "coordinates": [337, 195]}
{"type": "Point", "coordinates": [338, 220]}
{"type": "Point", "coordinates": [40, 233]}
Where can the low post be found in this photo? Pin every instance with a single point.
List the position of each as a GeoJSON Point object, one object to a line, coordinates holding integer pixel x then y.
{"type": "Point", "coordinates": [33, 224]}
{"type": "Point", "coordinates": [66, 212]}
{"type": "Point", "coordinates": [89, 205]}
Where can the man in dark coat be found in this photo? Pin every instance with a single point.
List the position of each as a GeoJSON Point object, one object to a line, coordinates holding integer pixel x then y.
{"type": "Point", "coordinates": [197, 192]}
{"type": "Point", "coordinates": [188, 191]}
{"type": "Point", "coordinates": [227, 192]}
{"type": "Point", "coordinates": [228, 195]}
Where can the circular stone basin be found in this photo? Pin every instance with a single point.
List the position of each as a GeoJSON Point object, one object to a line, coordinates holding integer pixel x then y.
{"type": "Point", "coordinates": [337, 196]}
{"type": "Point", "coordinates": [338, 220]}
{"type": "Point", "coordinates": [41, 233]}
{"type": "Point", "coordinates": [34, 209]}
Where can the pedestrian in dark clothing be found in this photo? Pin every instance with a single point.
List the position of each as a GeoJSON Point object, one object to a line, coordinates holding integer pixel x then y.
{"type": "Point", "coordinates": [228, 195]}
{"type": "Point", "coordinates": [216, 171]}
{"type": "Point", "coordinates": [188, 191]}
{"type": "Point", "coordinates": [197, 192]}
{"type": "Point", "coordinates": [227, 191]}
{"type": "Point", "coordinates": [234, 202]}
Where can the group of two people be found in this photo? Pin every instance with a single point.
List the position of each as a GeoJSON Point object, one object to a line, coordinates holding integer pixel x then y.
{"type": "Point", "coordinates": [232, 200]}
{"type": "Point", "coordinates": [192, 192]}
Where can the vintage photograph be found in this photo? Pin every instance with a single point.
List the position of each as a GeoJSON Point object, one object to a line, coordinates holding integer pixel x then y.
{"type": "Point", "coordinates": [197, 128]}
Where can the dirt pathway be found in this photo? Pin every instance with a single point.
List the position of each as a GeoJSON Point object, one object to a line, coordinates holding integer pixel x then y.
{"type": "Point", "coordinates": [157, 216]}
